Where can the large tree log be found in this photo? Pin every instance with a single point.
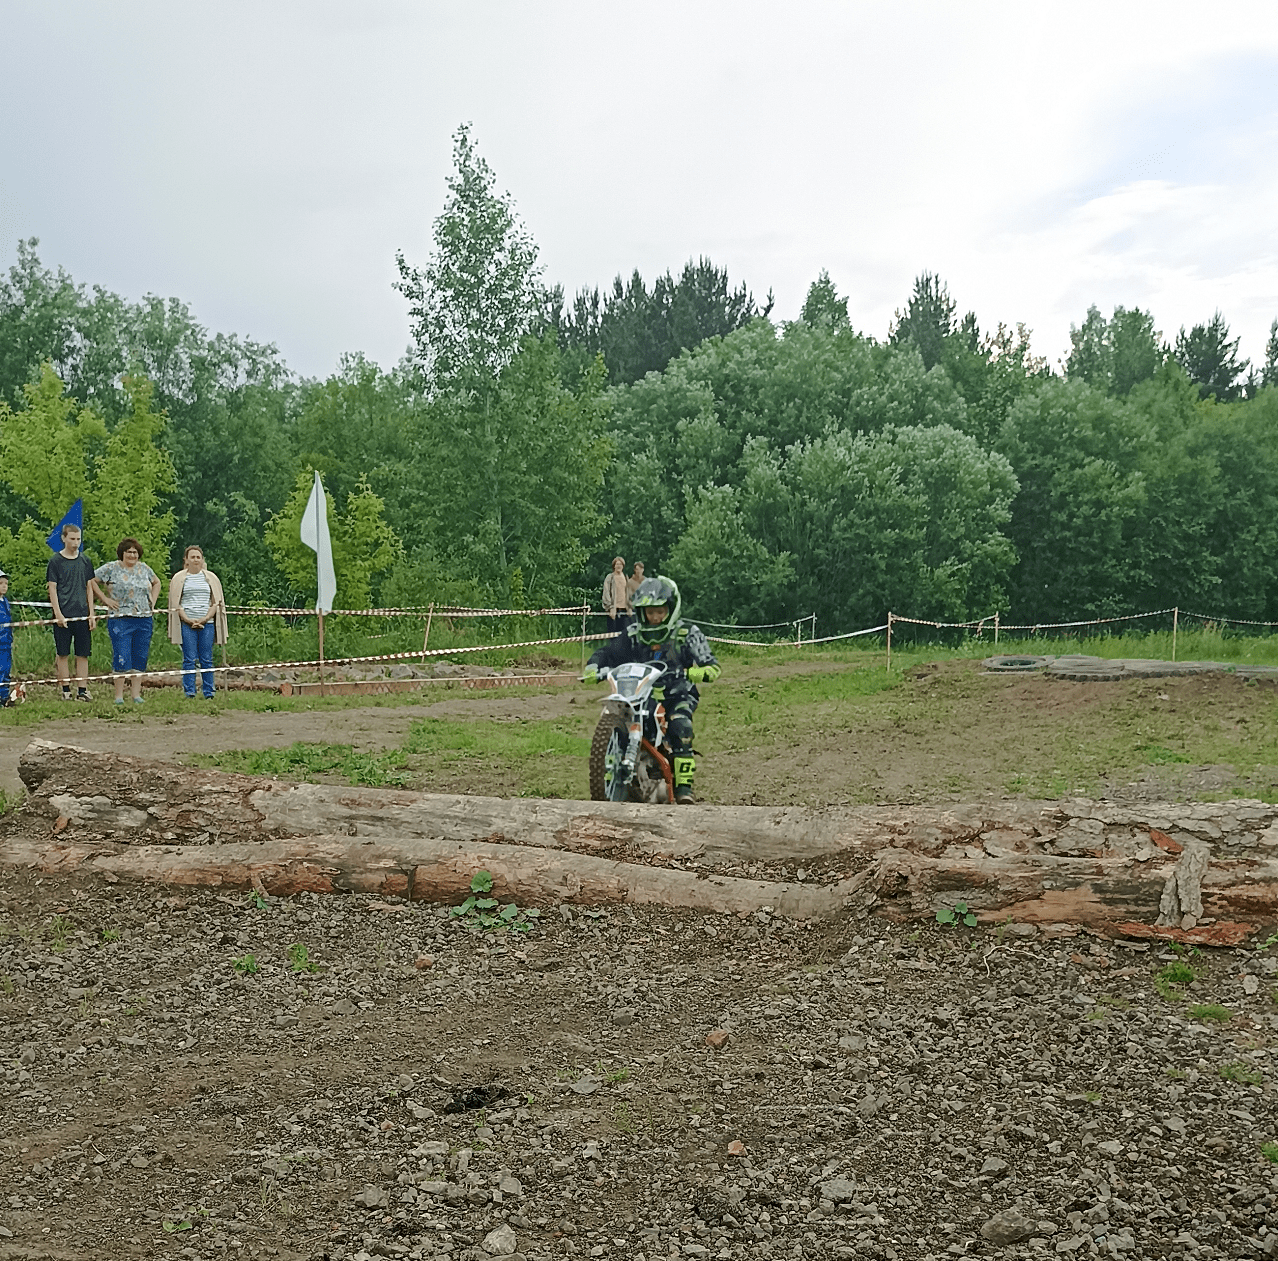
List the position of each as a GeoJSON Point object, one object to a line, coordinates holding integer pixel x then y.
{"type": "Point", "coordinates": [1206, 872]}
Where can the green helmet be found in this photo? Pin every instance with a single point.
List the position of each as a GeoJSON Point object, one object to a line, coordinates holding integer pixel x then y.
{"type": "Point", "coordinates": [654, 593]}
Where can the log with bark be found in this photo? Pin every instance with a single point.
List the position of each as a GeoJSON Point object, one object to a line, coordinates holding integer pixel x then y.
{"type": "Point", "coordinates": [1205, 873]}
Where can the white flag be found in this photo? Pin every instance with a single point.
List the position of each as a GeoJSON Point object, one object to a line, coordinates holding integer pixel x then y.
{"type": "Point", "coordinates": [315, 536]}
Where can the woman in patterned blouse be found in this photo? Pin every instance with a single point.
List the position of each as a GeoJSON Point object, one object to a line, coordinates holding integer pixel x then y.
{"type": "Point", "coordinates": [129, 589]}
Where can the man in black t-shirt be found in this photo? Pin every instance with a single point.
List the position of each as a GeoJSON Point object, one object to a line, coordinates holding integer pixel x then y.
{"type": "Point", "coordinates": [71, 592]}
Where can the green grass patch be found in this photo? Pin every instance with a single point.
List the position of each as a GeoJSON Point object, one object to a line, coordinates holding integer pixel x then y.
{"type": "Point", "coordinates": [1211, 1011]}
{"type": "Point", "coordinates": [1241, 1073]}
{"type": "Point", "coordinates": [307, 761]}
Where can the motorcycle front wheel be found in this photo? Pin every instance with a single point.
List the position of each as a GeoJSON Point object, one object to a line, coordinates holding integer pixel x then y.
{"type": "Point", "coordinates": [607, 748]}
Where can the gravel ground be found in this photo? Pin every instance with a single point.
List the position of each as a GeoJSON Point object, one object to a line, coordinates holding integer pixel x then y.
{"type": "Point", "coordinates": [631, 1085]}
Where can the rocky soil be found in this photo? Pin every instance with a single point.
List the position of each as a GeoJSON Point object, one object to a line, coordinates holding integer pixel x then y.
{"type": "Point", "coordinates": [616, 1085]}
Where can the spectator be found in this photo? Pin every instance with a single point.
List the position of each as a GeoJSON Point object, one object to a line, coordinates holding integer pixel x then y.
{"type": "Point", "coordinates": [71, 592]}
{"type": "Point", "coordinates": [632, 583]}
{"type": "Point", "coordinates": [616, 599]}
{"type": "Point", "coordinates": [6, 639]}
{"type": "Point", "coordinates": [129, 590]}
{"type": "Point", "coordinates": [197, 620]}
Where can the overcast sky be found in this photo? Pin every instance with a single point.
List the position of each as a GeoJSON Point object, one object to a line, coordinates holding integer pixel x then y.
{"type": "Point", "coordinates": [264, 161]}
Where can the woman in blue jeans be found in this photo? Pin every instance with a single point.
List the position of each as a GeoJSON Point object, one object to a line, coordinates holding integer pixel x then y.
{"type": "Point", "coordinates": [197, 619]}
{"type": "Point", "coordinates": [129, 589]}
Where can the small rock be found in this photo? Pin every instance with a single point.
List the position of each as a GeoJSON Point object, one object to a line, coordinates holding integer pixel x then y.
{"type": "Point", "coordinates": [623, 1018]}
{"type": "Point", "coordinates": [993, 1165]}
{"type": "Point", "coordinates": [585, 1086]}
{"type": "Point", "coordinates": [1111, 1148]}
{"type": "Point", "coordinates": [717, 1038]}
{"type": "Point", "coordinates": [868, 1106]}
{"type": "Point", "coordinates": [422, 962]}
{"type": "Point", "coordinates": [28, 1054]}
{"type": "Point", "coordinates": [343, 1007]}
{"type": "Point", "coordinates": [500, 1242]}
{"type": "Point", "coordinates": [285, 1022]}
{"type": "Point", "coordinates": [1046, 1228]}
{"type": "Point", "coordinates": [1009, 1226]}
{"type": "Point", "coordinates": [510, 1185]}
{"type": "Point", "coordinates": [1250, 983]}
{"type": "Point", "coordinates": [736, 1148]}
{"type": "Point", "coordinates": [838, 1190]}
{"type": "Point", "coordinates": [371, 1197]}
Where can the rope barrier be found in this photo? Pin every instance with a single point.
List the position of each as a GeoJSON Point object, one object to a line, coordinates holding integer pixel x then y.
{"type": "Point", "coordinates": [178, 671]}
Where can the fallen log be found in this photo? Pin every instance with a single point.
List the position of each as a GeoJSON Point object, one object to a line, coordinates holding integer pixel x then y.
{"type": "Point", "coordinates": [1206, 872]}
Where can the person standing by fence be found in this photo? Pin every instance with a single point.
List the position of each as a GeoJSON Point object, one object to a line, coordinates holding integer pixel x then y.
{"type": "Point", "coordinates": [130, 590]}
{"type": "Point", "coordinates": [71, 591]}
{"type": "Point", "coordinates": [197, 620]}
{"type": "Point", "coordinates": [616, 599]}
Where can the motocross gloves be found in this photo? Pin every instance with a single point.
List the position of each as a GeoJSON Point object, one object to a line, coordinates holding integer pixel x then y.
{"type": "Point", "coordinates": [703, 674]}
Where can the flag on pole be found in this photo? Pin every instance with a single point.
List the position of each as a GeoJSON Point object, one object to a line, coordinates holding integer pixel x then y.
{"type": "Point", "coordinates": [75, 517]}
{"type": "Point", "coordinates": [315, 536]}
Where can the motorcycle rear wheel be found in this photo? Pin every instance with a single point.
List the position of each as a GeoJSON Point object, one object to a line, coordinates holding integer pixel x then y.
{"type": "Point", "coordinates": [607, 747]}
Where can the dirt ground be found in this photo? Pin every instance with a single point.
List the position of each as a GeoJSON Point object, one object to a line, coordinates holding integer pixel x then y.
{"type": "Point", "coordinates": [787, 735]}
{"type": "Point", "coordinates": [216, 1076]}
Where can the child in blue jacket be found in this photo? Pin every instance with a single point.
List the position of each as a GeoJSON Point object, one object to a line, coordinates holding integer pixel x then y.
{"type": "Point", "coordinates": [6, 639]}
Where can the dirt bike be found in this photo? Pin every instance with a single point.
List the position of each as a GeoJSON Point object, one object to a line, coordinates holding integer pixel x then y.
{"type": "Point", "coordinates": [629, 754]}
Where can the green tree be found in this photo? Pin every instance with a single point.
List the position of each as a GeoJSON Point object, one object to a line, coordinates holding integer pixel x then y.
{"type": "Point", "coordinates": [511, 483]}
{"type": "Point", "coordinates": [479, 293]}
{"type": "Point", "coordinates": [1115, 355]}
{"type": "Point", "coordinates": [53, 452]}
{"type": "Point", "coordinates": [639, 330]}
{"type": "Point", "coordinates": [364, 547]}
{"type": "Point", "coordinates": [928, 319]}
{"type": "Point", "coordinates": [1078, 457]}
{"type": "Point", "coordinates": [1269, 375]}
{"type": "Point", "coordinates": [823, 307]}
{"type": "Point", "coordinates": [1210, 359]}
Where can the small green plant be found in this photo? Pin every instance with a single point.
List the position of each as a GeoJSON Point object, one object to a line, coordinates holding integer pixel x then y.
{"type": "Point", "coordinates": [1240, 1073]}
{"type": "Point", "coordinates": [110, 934]}
{"type": "Point", "coordinates": [1176, 1074]}
{"type": "Point", "coordinates": [258, 902]}
{"type": "Point", "coordinates": [622, 1119]}
{"type": "Point", "coordinates": [247, 965]}
{"type": "Point", "coordinates": [85, 1008]}
{"type": "Point", "coordinates": [1270, 1152]}
{"type": "Point", "coordinates": [59, 927]}
{"type": "Point", "coordinates": [1092, 1096]}
{"type": "Point", "coordinates": [1114, 1004]}
{"type": "Point", "coordinates": [956, 914]}
{"type": "Point", "coordinates": [1171, 978]}
{"type": "Point", "coordinates": [299, 958]}
{"type": "Point", "coordinates": [488, 913]}
{"type": "Point", "coordinates": [6, 984]}
{"type": "Point", "coordinates": [618, 1074]}
{"type": "Point", "coordinates": [173, 1227]}
{"type": "Point", "coordinates": [1211, 1011]}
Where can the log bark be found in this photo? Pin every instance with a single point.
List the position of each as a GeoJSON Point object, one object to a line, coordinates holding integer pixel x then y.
{"type": "Point", "coordinates": [1205, 873]}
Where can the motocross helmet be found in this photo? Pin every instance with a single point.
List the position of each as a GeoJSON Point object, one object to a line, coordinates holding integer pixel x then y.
{"type": "Point", "coordinates": [654, 593]}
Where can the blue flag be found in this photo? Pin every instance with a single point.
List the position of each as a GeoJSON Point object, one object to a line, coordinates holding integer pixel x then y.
{"type": "Point", "coordinates": [75, 517]}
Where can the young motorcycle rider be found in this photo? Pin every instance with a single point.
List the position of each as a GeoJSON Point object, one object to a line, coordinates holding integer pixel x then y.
{"type": "Point", "coordinates": [659, 634]}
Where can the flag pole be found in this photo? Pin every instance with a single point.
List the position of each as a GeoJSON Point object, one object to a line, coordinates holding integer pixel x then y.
{"type": "Point", "coordinates": [320, 612]}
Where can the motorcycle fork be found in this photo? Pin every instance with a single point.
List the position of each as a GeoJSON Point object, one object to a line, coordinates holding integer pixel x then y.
{"type": "Point", "coordinates": [666, 773]}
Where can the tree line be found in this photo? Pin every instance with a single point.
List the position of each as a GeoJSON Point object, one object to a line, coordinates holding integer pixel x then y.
{"type": "Point", "coordinates": [774, 468]}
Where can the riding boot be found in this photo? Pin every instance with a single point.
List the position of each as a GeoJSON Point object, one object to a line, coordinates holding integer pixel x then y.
{"type": "Point", "coordinates": [684, 766]}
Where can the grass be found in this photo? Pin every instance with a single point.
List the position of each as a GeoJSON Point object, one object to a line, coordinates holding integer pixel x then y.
{"type": "Point", "coordinates": [1241, 1073]}
{"type": "Point", "coordinates": [247, 965]}
{"type": "Point", "coordinates": [932, 729]}
{"type": "Point", "coordinates": [1211, 1011]}
{"type": "Point", "coordinates": [1171, 978]}
{"type": "Point", "coordinates": [1270, 1152]}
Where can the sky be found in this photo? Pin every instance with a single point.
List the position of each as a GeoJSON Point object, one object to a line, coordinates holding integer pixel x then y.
{"type": "Point", "coordinates": [264, 161]}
